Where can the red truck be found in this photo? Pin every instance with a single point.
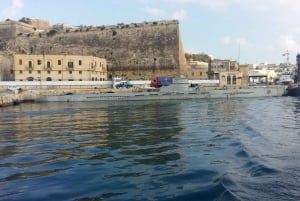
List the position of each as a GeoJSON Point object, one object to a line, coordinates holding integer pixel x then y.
{"type": "Point", "coordinates": [161, 81]}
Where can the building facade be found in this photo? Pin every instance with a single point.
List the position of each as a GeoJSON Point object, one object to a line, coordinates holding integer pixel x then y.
{"type": "Point", "coordinates": [198, 70]}
{"type": "Point", "coordinates": [227, 72]}
{"type": "Point", "coordinates": [59, 68]}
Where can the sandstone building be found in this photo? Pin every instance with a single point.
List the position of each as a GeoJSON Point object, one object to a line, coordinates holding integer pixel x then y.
{"type": "Point", "coordinates": [227, 72]}
{"type": "Point", "coordinates": [59, 68]}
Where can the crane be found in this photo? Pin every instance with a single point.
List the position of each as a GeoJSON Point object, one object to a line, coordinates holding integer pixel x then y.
{"type": "Point", "coordinates": [287, 55]}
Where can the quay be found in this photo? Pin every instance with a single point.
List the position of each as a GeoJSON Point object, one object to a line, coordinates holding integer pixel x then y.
{"type": "Point", "coordinates": [94, 91]}
{"type": "Point", "coordinates": [10, 98]}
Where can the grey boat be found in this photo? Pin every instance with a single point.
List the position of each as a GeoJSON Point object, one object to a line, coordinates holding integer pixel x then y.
{"type": "Point", "coordinates": [179, 89]}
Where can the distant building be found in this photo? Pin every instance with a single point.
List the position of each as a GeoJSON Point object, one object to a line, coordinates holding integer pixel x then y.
{"type": "Point", "coordinates": [197, 71]}
{"type": "Point", "coordinates": [59, 68]}
{"type": "Point", "coordinates": [227, 72]}
{"type": "Point", "coordinates": [12, 29]}
{"type": "Point", "coordinates": [36, 23]}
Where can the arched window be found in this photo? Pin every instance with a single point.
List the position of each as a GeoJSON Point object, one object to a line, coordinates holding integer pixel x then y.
{"type": "Point", "coordinates": [30, 64]}
{"type": "Point", "coordinates": [49, 79]}
{"type": "Point", "coordinates": [228, 79]}
{"type": "Point", "coordinates": [48, 64]}
{"type": "Point", "coordinates": [30, 79]}
{"type": "Point", "coordinates": [234, 79]}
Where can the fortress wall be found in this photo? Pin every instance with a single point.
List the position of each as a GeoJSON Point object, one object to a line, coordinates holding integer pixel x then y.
{"type": "Point", "coordinates": [10, 29]}
{"type": "Point", "coordinates": [137, 50]}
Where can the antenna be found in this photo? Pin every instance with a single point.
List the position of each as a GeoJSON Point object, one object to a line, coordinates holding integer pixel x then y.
{"type": "Point", "coordinates": [239, 54]}
{"type": "Point", "coordinates": [287, 55]}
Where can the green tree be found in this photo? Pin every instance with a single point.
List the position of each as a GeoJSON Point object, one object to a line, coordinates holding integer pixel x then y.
{"type": "Point", "coordinates": [198, 57]}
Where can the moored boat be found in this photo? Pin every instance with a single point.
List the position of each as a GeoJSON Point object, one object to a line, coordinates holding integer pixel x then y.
{"type": "Point", "coordinates": [179, 89]}
{"type": "Point", "coordinates": [294, 91]}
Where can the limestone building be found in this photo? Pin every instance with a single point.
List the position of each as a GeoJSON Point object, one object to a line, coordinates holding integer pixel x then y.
{"type": "Point", "coordinates": [59, 68]}
{"type": "Point", "coordinates": [198, 70]}
{"type": "Point", "coordinates": [227, 72]}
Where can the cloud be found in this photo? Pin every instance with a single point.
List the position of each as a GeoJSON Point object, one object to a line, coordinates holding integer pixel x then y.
{"type": "Point", "coordinates": [180, 15]}
{"type": "Point", "coordinates": [288, 42]}
{"type": "Point", "coordinates": [13, 11]}
{"type": "Point", "coordinates": [280, 5]}
{"type": "Point", "coordinates": [155, 11]}
{"type": "Point", "coordinates": [244, 42]}
{"type": "Point", "coordinates": [227, 40]}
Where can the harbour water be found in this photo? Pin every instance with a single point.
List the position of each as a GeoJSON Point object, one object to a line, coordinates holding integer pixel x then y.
{"type": "Point", "coordinates": [238, 149]}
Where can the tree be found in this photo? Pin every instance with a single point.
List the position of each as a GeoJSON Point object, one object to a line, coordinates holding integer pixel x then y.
{"type": "Point", "coordinates": [198, 57]}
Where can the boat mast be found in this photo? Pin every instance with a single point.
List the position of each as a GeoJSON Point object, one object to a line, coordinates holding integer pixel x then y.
{"type": "Point", "coordinates": [298, 70]}
{"type": "Point", "coordinates": [287, 62]}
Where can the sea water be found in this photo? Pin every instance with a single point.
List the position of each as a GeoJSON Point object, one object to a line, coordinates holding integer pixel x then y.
{"type": "Point", "coordinates": [235, 149]}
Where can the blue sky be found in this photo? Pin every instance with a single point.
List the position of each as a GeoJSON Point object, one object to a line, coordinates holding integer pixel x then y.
{"type": "Point", "coordinates": [251, 31]}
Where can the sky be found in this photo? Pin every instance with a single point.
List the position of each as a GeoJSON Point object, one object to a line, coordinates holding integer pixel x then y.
{"type": "Point", "coordinates": [247, 31]}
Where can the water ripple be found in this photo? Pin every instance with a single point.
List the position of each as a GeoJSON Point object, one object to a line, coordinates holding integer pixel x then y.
{"type": "Point", "coordinates": [158, 150]}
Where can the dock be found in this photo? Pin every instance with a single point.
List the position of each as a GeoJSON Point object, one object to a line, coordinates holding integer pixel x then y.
{"type": "Point", "coordinates": [8, 99]}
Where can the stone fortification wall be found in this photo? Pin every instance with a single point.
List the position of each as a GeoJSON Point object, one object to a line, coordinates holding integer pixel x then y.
{"type": "Point", "coordinates": [5, 68]}
{"type": "Point", "coordinates": [11, 29]}
{"type": "Point", "coordinates": [133, 51]}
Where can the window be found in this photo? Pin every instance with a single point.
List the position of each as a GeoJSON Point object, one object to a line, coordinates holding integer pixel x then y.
{"type": "Point", "coordinates": [39, 62]}
{"type": "Point", "coordinates": [30, 72]}
{"type": "Point", "coordinates": [48, 71]}
{"type": "Point", "coordinates": [39, 72]}
{"type": "Point", "coordinates": [234, 79]}
{"type": "Point", "coordinates": [20, 62]}
{"type": "Point", "coordinates": [30, 79]}
{"type": "Point", "coordinates": [59, 62]}
{"type": "Point", "coordinates": [79, 62]}
{"type": "Point", "coordinates": [48, 64]}
{"type": "Point", "coordinates": [59, 72]}
{"type": "Point", "coordinates": [80, 72]}
{"type": "Point", "coordinates": [70, 64]}
{"type": "Point", "coordinates": [70, 72]}
{"type": "Point", "coordinates": [228, 79]}
{"type": "Point", "coordinates": [49, 79]}
{"type": "Point", "coordinates": [20, 72]}
{"type": "Point", "coordinates": [30, 64]}
{"type": "Point", "coordinates": [200, 73]}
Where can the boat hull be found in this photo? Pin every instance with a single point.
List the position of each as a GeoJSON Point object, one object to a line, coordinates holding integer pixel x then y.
{"type": "Point", "coordinates": [172, 95]}
{"type": "Point", "coordinates": [292, 92]}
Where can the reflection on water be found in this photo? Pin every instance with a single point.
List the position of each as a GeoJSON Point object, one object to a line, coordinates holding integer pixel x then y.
{"type": "Point", "coordinates": [167, 150]}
